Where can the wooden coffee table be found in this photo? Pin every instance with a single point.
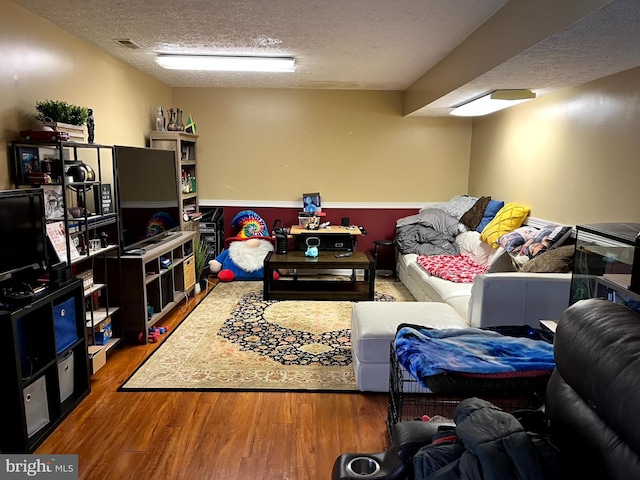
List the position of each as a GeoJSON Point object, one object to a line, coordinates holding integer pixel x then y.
{"type": "Point", "coordinates": [320, 289]}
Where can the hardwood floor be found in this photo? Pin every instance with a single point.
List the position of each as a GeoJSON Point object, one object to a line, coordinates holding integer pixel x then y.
{"type": "Point", "coordinates": [212, 435]}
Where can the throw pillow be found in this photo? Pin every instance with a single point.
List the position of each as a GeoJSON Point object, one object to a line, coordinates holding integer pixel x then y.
{"type": "Point", "coordinates": [550, 236]}
{"type": "Point", "coordinates": [502, 263]}
{"type": "Point", "coordinates": [515, 239]}
{"type": "Point", "coordinates": [556, 260]}
{"type": "Point", "coordinates": [471, 245]}
{"type": "Point", "coordinates": [458, 205]}
{"type": "Point", "coordinates": [506, 220]}
{"type": "Point", "coordinates": [493, 207]}
{"type": "Point", "coordinates": [474, 215]}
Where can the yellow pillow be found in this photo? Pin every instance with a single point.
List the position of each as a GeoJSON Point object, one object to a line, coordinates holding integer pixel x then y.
{"type": "Point", "coordinates": [507, 219]}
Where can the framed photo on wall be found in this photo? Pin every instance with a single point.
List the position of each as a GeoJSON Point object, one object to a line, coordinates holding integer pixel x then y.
{"type": "Point", "coordinates": [26, 163]}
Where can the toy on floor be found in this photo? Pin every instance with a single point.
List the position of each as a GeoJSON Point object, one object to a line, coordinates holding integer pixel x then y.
{"type": "Point", "coordinates": [153, 335]}
{"type": "Point", "coordinates": [243, 258]}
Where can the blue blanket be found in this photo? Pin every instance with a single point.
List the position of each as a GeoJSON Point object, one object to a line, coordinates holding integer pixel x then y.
{"type": "Point", "coordinates": [425, 352]}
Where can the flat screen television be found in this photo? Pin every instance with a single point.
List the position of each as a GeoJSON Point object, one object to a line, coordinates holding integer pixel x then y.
{"type": "Point", "coordinates": [22, 232]}
{"type": "Point", "coordinates": [148, 189]}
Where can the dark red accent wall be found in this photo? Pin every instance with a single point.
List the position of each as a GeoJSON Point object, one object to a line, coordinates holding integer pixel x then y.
{"type": "Point", "coordinates": [379, 223]}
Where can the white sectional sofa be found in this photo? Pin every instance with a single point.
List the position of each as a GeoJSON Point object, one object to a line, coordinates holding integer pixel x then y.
{"type": "Point", "coordinates": [492, 298]}
{"type": "Point", "coordinates": [511, 298]}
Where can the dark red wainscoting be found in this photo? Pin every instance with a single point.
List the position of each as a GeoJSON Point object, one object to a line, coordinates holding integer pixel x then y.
{"type": "Point", "coordinates": [380, 224]}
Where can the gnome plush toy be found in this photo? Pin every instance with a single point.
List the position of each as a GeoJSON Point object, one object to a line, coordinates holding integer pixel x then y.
{"type": "Point", "coordinates": [243, 257]}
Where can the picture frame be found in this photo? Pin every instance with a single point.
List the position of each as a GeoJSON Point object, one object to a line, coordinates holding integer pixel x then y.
{"type": "Point", "coordinates": [103, 199]}
{"type": "Point", "coordinates": [53, 202]}
{"type": "Point", "coordinates": [311, 202]}
{"type": "Point", "coordinates": [27, 162]}
{"type": "Point", "coordinates": [58, 239]}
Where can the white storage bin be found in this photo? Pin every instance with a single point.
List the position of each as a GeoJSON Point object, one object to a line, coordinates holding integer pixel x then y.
{"type": "Point", "coordinates": [65, 375]}
{"type": "Point", "coordinates": [36, 407]}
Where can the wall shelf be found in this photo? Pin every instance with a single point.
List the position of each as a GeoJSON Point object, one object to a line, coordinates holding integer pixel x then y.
{"type": "Point", "coordinates": [184, 147]}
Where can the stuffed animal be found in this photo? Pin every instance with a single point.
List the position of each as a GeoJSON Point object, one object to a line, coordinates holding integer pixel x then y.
{"type": "Point", "coordinates": [243, 259]}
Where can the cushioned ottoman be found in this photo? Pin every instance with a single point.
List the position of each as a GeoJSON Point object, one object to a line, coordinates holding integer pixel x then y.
{"type": "Point", "coordinates": [373, 327]}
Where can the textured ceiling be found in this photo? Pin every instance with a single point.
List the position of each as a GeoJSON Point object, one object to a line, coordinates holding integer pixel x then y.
{"type": "Point", "coordinates": [355, 44]}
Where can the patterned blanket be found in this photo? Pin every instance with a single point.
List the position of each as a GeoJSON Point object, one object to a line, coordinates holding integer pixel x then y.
{"type": "Point", "coordinates": [455, 268]}
{"type": "Point", "coordinates": [424, 352]}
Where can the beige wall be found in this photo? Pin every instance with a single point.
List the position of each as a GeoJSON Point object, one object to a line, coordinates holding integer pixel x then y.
{"type": "Point", "coordinates": [40, 61]}
{"type": "Point", "coordinates": [573, 156]}
{"type": "Point", "coordinates": [351, 146]}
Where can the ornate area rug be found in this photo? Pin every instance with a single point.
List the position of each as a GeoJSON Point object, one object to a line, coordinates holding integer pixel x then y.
{"type": "Point", "coordinates": [234, 340]}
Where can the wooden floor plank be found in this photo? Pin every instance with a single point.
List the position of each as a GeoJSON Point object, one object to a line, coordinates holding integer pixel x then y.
{"type": "Point", "coordinates": [211, 435]}
{"type": "Point", "coordinates": [305, 460]}
{"type": "Point", "coordinates": [253, 468]}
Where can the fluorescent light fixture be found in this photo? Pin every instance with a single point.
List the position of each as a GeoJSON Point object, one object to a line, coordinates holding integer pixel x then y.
{"type": "Point", "coordinates": [493, 102]}
{"type": "Point", "coordinates": [226, 63]}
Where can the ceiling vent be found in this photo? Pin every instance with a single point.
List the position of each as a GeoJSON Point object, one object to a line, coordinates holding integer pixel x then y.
{"type": "Point", "coordinates": [129, 44]}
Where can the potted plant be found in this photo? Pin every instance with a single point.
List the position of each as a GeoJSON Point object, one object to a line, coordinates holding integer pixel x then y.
{"type": "Point", "coordinates": [64, 117]}
{"type": "Point", "coordinates": [200, 262]}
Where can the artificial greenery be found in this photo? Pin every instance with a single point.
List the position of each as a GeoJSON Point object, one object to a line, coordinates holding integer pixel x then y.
{"type": "Point", "coordinates": [60, 111]}
{"type": "Point", "coordinates": [200, 253]}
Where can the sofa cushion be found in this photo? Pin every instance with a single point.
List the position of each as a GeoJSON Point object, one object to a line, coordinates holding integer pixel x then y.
{"type": "Point", "coordinates": [550, 236]}
{"type": "Point", "coordinates": [493, 207]}
{"type": "Point", "coordinates": [472, 218]}
{"type": "Point", "coordinates": [374, 324]}
{"type": "Point", "coordinates": [556, 260]}
{"type": "Point", "coordinates": [460, 305]}
{"type": "Point", "coordinates": [506, 220]}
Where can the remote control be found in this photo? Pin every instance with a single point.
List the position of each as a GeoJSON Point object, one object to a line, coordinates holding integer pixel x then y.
{"type": "Point", "coordinates": [135, 251]}
{"type": "Point", "coordinates": [343, 254]}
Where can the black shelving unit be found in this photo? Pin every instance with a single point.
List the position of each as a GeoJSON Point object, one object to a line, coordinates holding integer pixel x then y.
{"type": "Point", "coordinates": [45, 368]}
{"type": "Point", "coordinates": [80, 198]}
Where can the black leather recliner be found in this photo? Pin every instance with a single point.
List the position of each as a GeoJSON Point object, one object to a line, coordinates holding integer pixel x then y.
{"type": "Point", "coordinates": [593, 396]}
{"type": "Point", "coordinates": [592, 402]}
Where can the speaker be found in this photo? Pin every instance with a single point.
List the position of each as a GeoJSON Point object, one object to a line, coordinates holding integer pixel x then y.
{"type": "Point", "coordinates": [345, 222]}
{"type": "Point", "coordinates": [282, 236]}
{"type": "Point", "coordinates": [281, 243]}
